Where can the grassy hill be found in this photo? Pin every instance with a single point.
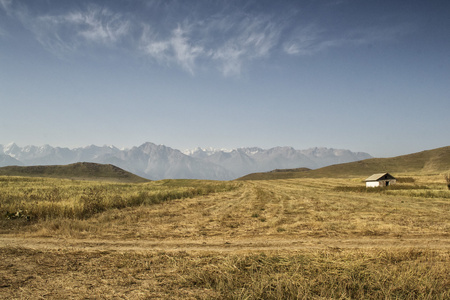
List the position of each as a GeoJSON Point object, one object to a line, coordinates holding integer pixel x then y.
{"type": "Point", "coordinates": [82, 170]}
{"type": "Point", "coordinates": [425, 162]}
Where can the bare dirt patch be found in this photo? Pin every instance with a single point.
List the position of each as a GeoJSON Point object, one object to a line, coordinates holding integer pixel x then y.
{"type": "Point", "coordinates": [223, 245]}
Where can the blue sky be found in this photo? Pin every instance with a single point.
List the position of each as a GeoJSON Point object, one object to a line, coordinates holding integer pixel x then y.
{"type": "Point", "coordinates": [369, 76]}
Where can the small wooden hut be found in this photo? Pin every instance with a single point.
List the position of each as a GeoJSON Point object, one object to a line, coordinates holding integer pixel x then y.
{"type": "Point", "coordinates": [380, 179]}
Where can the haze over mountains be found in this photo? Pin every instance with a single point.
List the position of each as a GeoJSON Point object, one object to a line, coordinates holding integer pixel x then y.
{"type": "Point", "coordinates": [155, 162]}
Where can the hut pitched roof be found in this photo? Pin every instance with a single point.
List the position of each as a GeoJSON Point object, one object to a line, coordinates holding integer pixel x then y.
{"type": "Point", "coordinates": [377, 176]}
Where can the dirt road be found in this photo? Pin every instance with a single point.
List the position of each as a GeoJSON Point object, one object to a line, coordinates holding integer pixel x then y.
{"type": "Point", "coordinates": [222, 245]}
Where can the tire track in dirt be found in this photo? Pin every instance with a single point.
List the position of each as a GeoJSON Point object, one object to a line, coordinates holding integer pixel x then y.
{"type": "Point", "coordinates": [223, 245]}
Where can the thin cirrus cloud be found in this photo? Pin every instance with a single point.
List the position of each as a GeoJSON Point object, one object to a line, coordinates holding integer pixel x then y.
{"type": "Point", "coordinates": [192, 44]}
{"type": "Point", "coordinates": [252, 38]}
{"type": "Point", "coordinates": [228, 42]}
{"type": "Point", "coordinates": [69, 32]}
{"type": "Point", "coordinates": [98, 25]}
{"type": "Point", "coordinates": [311, 39]}
{"type": "Point", "coordinates": [176, 48]}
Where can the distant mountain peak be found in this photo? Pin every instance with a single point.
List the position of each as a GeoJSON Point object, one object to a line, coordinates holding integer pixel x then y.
{"type": "Point", "coordinates": [160, 162]}
{"type": "Point", "coordinates": [9, 145]}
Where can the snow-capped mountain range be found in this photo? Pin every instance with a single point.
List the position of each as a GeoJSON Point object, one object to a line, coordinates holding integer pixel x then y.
{"type": "Point", "coordinates": [161, 162]}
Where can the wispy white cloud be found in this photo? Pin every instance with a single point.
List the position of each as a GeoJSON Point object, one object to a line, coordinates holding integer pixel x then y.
{"type": "Point", "coordinates": [185, 53]}
{"type": "Point", "coordinates": [99, 24]}
{"type": "Point", "coordinates": [68, 31]}
{"type": "Point", "coordinates": [228, 40]}
{"type": "Point", "coordinates": [251, 38]}
{"type": "Point", "coordinates": [311, 39]}
{"type": "Point", "coordinates": [150, 45]}
{"type": "Point", "coordinates": [177, 48]}
{"type": "Point", "coordinates": [306, 41]}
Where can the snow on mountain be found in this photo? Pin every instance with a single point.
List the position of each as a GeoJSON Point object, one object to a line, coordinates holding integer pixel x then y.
{"type": "Point", "coordinates": [159, 162]}
{"type": "Point", "coordinates": [11, 149]}
{"type": "Point", "coordinates": [203, 152]}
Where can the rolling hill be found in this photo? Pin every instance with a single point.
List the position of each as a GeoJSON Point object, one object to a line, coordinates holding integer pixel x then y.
{"type": "Point", "coordinates": [425, 162]}
{"type": "Point", "coordinates": [81, 171]}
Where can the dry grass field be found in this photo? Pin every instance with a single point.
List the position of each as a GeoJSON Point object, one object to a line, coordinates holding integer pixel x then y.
{"type": "Point", "coordinates": [304, 238]}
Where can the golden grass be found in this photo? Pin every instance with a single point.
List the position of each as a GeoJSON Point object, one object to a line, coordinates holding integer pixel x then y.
{"type": "Point", "coordinates": [207, 209]}
{"type": "Point", "coordinates": [43, 198]}
{"type": "Point", "coordinates": [324, 274]}
{"type": "Point", "coordinates": [278, 239]}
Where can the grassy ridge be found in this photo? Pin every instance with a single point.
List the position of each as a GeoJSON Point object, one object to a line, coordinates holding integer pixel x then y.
{"type": "Point", "coordinates": [83, 171]}
{"type": "Point", "coordinates": [430, 161]}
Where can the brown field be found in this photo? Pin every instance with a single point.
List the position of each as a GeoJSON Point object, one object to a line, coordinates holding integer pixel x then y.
{"type": "Point", "coordinates": [270, 239]}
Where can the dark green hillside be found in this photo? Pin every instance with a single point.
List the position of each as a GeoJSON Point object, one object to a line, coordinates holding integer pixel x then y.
{"type": "Point", "coordinates": [277, 174]}
{"type": "Point", "coordinates": [430, 161]}
{"type": "Point", "coordinates": [82, 171]}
